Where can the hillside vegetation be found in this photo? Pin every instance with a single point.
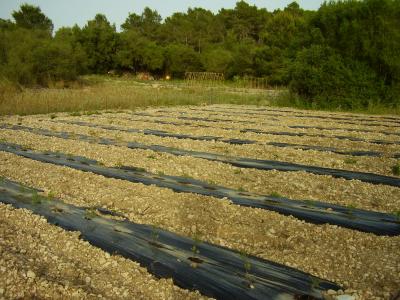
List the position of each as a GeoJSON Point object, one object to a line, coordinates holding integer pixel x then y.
{"type": "Point", "coordinates": [345, 55]}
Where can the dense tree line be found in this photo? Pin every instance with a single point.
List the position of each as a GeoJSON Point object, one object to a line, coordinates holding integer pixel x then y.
{"type": "Point", "coordinates": [344, 54]}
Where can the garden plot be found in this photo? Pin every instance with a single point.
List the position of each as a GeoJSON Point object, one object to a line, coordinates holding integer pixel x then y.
{"type": "Point", "coordinates": [360, 262]}
{"type": "Point", "coordinates": [205, 143]}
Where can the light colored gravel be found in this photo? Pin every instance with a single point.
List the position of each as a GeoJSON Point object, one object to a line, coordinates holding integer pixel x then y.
{"type": "Point", "coordinates": [363, 262]}
{"type": "Point", "coordinates": [42, 261]}
{"type": "Point", "coordinates": [378, 165]}
{"type": "Point", "coordinates": [295, 185]}
{"type": "Point", "coordinates": [283, 117]}
{"type": "Point", "coordinates": [273, 123]}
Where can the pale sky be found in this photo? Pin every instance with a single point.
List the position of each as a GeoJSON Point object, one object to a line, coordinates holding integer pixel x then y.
{"type": "Point", "coordinates": [70, 12]}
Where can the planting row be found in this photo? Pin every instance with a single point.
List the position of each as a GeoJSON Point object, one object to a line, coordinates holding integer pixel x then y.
{"type": "Point", "coordinates": [381, 163]}
{"type": "Point", "coordinates": [294, 185]}
{"type": "Point", "coordinates": [312, 211]}
{"type": "Point", "coordinates": [318, 114]}
{"type": "Point", "coordinates": [214, 271]}
{"type": "Point", "coordinates": [265, 234]}
{"type": "Point", "coordinates": [238, 162]}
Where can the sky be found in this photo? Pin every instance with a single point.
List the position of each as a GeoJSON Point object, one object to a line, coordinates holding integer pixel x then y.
{"type": "Point", "coordinates": [71, 12]}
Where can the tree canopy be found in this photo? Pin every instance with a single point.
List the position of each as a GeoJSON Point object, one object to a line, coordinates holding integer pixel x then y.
{"type": "Point", "coordinates": [347, 53]}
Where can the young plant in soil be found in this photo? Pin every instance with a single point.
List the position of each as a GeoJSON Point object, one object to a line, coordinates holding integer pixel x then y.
{"type": "Point", "coordinates": [396, 169]}
{"type": "Point", "coordinates": [36, 198]}
{"type": "Point", "coordinates": [315, 282]}
{"type": "Point", "coordinates": [397, 215]}
{"type": "Point", "coordinates": [195, 260]}
{"type": "Point", "coordinates": [90, 213]}
{"type": "Point", "coordinates": [351, 208]}
{"type": "Point", "coordinates": [247, 267]}
{"type": "Point", "coordinates": [350, 161]}
{"type": "Point", "coordinates": [51, 196]}
{"type": "Point", "coordinates": [154, 237]}
{"type": "Point", "coordinates": [276, 195]}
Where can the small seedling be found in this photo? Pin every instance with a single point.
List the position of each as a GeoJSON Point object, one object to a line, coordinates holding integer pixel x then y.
{"type": "Point", "coordinates": [396, 169]}
{"type": "Point", "coordinates": [53, 116]}
{"type": "Point", "coordinates": [154, 235]}
{"type": "Point", "coordinates": [397, 215]}
{"type": "Point", "coordinates": [315, 282]}
{"type": "Point", "coordinates": [160, 173]}
{"type": "Point", "coordinates": [151, 157]}
{"type": "Point", "coordinates": [351, 208]}
{"type": "Point", "coordinates": [75, 114]}
{"type": "Point", "coordinates": [241, 189]}
{"type": "Point", "coordinates": [195, 260]}
{"type": "Point", "coordinates": [90, 213]}
{"type": "Point", "coordinates": [36, 198]}
{"type": "Point", "coordinates": [196, 242]}
{"type": "Point", "coordinates": [247, 267]}
{"type": "Point", "coordinates": [350, 161]}
{"type": "Point", "coordinates": [237, 171]}
{"type": "Point", "coordinates": [310, 203]}
{"type": "Point", "coordinates": [51, 196]}
{"type": "Point", "coordinates": [276, 195]}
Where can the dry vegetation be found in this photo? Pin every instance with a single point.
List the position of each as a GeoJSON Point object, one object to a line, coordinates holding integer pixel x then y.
{"type": "Point", "coordinates": [102, 93]}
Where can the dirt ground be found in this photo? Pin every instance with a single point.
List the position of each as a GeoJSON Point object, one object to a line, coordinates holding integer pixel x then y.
{"type": "Point", "coordinates": [41, 260]}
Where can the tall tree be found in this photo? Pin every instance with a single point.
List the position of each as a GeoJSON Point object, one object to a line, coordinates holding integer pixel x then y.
{"type": "Point", "coordinates": [31, 17]}
{"type": "Point", "coordinates": [147, 24]}
{"type": "Point", "coordinates": [99, 40]}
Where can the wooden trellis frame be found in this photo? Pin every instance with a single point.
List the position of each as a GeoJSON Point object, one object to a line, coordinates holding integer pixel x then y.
{"type": "Point", "coordinates": [250, 82]}
{"type": "Point", "coordinates": [209, 78]}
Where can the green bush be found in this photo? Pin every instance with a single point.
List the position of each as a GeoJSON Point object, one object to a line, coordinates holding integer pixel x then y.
{"type": "Point", "coordinates": [323, 79]}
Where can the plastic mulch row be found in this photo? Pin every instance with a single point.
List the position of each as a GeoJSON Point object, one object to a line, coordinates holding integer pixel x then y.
{"type": "Point", "coordinates": [311, 211]}
{"type": "Point", "coordinates": [254, 163]}
{"type": "Point", "coordinates": [212, 270]}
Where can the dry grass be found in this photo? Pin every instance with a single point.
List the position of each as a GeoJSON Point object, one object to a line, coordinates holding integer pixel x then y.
{"type": "Point", "coordinates": [102, 94]}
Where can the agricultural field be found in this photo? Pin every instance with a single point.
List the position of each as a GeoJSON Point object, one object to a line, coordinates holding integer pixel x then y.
{"type": "Point", "coordinates": [196, 202]}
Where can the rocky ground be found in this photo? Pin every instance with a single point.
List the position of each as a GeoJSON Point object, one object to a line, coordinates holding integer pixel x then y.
{"type": "Point", "coordinates": [36, 263]}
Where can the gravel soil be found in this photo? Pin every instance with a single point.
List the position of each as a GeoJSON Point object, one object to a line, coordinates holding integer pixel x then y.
{"type": "Point", "coordinates": [366, 265]}
{"type": "Point", "coordinates": [42, 261]}
{"type": "Point", "coordinates": [295, 185]}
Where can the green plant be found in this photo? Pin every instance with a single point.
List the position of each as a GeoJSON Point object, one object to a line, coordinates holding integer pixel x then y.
{"type": "Point", "coordinates": [90, 213]}
{"type": "Point", "coordinates": [310, 203]}
{"type": "Point", "coordinates": [36, 199]}
{"type": "Point", "coordinates": [397, 215]}
{"type": "Point", "coordinates": [51, 196]}
{"type": "Point", "coordinates": [75, 114]}
{"type": "Point", "coordinates": [247, 268]}
{"type": "Point", "coordinates": [396, 169]}
{"type": "Point", "coordinates": [315, 282]}
{"type": "Point", "coordinates": [276, 195]}
{"type": "Point", "coordinates": [185, 175]}
{"type": "Point", "coordinates": [241, 189]}
{"type": "Point", "coordinates": [154, 234]}
{"type": "Point", "coordinates": [237, 171]}
{"type": "Point", "coordinates": [53, 116]}
{"type": "Point", "coordinates": [350, 161]}
{"type": "Point", "coordinates": [350, 211]}
{"type": "Point", "coordinates": [160, 173]}
{"type": "Point", "coordinates": [151, 156]}
{"type": "Point", "coordinates": [196, 242]}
